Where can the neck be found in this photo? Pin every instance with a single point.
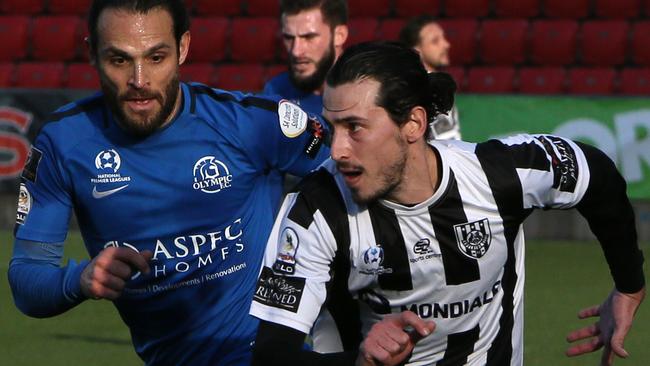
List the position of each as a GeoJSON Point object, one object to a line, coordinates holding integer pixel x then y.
{"type": "Point", "coordinates": [420, 177]}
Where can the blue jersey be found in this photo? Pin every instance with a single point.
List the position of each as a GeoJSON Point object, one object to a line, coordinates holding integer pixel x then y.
{"type": "Point", "coordinates": [281, 85]}
{"type": "Point", "coordinates": [201, 194]}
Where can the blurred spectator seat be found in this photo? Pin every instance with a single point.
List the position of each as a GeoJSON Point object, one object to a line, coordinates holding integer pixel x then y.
{"type": "Point", "coordinates": [389, 28]}
{"type": "Point", "coordinates": [39, 75]}
{"type": "Point", "coordinates": [201, 72]}
{"type": "Point", "coordinates": [410, 8]}
{"type": "Point", "coordinates": [575, 9]}
{"type": "Point", "coordinates": [553, 42]}
{"type": "Point", "coordinates": [635, 81]}
{"type": "Point", "coordinates": [467, 8]}
{"type": "Point", "coordinates": [253, 39]}
{"type": "Point", "coordinates": [516, 8]}
{"type": "Point", "coordinates": [14, 32]}
{"type": "Point", "coordinates": [591, 81]}
{"type": "Point", "coordinates": [209, 37]}
{"type": "Point", "coordinates": [6, 74]}
{"type": "Point", "coordinates": [82, 76]}
{"type": "Point", "coordinates": [503, 41]}
{"type": "Point", "coordinates": [490, 80]}
{"type": "Point", "coordinates": [641, 43]}
{"type": "Point", "coordinates": [55, 38]}
{"type": "Point", "coordinates": [263, 8]}
{"type": "Point", "coordinates": [367, 8]}
{"type": "Point", "coordinates": [604, 42]}
{"type": "Point", "coordinates": [541, 80]}
{"type": "Point", "coordinates": [362, 30]}
{"type": "Point", "coordinates": [461, 34]}
{"type": "Point", "coordinates": [21, 6]}
{"type": "Point", "coordinates": [245, 77]}
{"type": "Point", "coordinates": [458, 73]}
{"type": "Point", "coordinates": [617, 8]}
{"type": "Point", "coordinates": [220, 7]}
{"type": "Point", "coordinates": [78, 7]}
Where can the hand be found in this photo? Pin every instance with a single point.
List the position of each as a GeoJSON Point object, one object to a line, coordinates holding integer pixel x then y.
{"type": "Point", "coordinates": [388, 343]}
{"type": "Point", "coordinates": [106, 275]}
{"type": "Point", "coordinates": [616, 314]}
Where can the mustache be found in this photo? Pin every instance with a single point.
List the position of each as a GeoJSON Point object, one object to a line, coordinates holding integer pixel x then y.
{"type": "Point", "coordinates": [140, 94]}
{"type": "Point", "coordinates": [348, 166]}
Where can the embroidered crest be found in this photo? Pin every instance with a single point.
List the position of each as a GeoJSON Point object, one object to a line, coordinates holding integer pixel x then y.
{"type": "Point", "coordinates": [474, 238]}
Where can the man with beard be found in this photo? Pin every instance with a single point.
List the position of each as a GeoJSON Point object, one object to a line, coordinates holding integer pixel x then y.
{"type": "Point", "coordinates": [425, 35]}
{"type": "Point", "coordinates": [174, 187]}
{"type": "Point", "coordinates": [416, 248]}
{"type": "Point", "coordinates": [313, 33]}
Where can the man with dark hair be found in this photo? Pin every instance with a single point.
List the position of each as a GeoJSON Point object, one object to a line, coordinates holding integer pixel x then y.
{"type": "Point", "coordinates": [425, 35]}
{"type": "Point", "coordinates": [417, 248]}
{"type": "Point", "coordinates": [174, 186]}
{"type": "Point", "coordinates": [313, 33]}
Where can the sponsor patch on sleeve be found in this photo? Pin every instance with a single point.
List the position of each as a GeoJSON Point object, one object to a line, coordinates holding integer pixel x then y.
{"type": "Point", "coordinates": [24, 204]}
{"type": "Point", "coordinates": [563, 162]}
{"type": "Point", "coordinates": [31, 165]}
{"type": "Point", "coordinates": [279, 291]}
{"type": "Point", "coordinates": [316, 139]}
{"type": "Point", "coordinates": [293, 120]}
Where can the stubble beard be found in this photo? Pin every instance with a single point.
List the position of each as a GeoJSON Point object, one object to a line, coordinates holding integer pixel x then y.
{"type": "Point", "coordinates": [314, 81]}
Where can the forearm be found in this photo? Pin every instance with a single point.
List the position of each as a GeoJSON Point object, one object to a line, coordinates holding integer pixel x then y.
{"type": "Point", "coordinates": [39, 286]}
{"type": "Point", "coordinates": [611, 218]}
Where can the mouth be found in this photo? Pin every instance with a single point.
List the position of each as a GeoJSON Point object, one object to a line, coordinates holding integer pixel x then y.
{"type": "Point", "coordinates": [351, 175]}
{"type": "Point", "coordinates": [140, 104]}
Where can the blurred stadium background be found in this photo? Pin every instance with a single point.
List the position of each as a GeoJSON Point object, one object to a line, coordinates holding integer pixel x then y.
{"type": "Point", "coordinates": [577, 68]}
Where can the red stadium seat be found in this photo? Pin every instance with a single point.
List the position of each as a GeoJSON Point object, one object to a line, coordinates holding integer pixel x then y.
{"type": "Point", "coordinates": [542, 80]}
{"type": "Point", "coordinates": [553, 42]}
{"type": "Point", "coordinates": [6, 74]}
{"type": "Point", "coordinates": [640, 43]}
{"type": "Point", "coordinates": [263, 8]}
{"type": "Point", "coordinates": [646, 7]}
{"type": "Point", "coordinates": [503, 41]}
{"type": "Point", "coordinates": [40, 75]}
{"type": "Point", "coordinates": [467, 8]}
{"type": "Point", "coordinates": [592, 81]}
{"type": "Point", "coordinates": [22, 6]}
{"type": "Point", "coordinates": [490, 80]}
{"type": "Point", "coordinates": [82, 76]}
{"type": "Point", "coordinates": [635, 81]}
{"type": "Point", "coordinates": [458, 73]}
{"type": "Point", "coordinates": [202, 72]}
{"type": "Point", "coordinates": [221, 7]}
{"type": "Point", "coordinates": [604, 42]}
{"type": "Point", "coordinates": [209, 36]}
{"type": "Point", "coordinates": [389, 28]}
{"type": "Point", "coordinates": [617, 8]}
{"type": "Point", "coordinates": [461, 34]}
{"type": "Point", "coordinates": [516, 8]}
{"type": "Point", "coordinates": [575, 9]}
{"type": "Point", "coordinates": [410, 8]}
{"type": "Point", "coordinates": [272, 71]}
{"type": "Point", "coordinates": [368, 8]}
{"type": "Point", "coordinates": [362, 30]}
{"type": "Point", "coordinates": [78, 7]}
{"type": "Point", "coordinates": [14, 33]}
{"type": "Point", "coordinates": [55, 38]}
{"type": "Point", "coordinates": [246, 77]}
{"type": "Point", "coordinates": [253, 39]}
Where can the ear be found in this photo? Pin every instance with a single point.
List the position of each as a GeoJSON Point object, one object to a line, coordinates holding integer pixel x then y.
{"type": "Point", "coordinates": [340, 35]}
{"type": "Point", "coordinates": [184, 47]}
{"type": "Point", "coordinates": [416, 126]}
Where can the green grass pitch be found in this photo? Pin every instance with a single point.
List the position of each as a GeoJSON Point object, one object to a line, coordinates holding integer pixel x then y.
{"type": "Point", "coordinates": [562, 277]}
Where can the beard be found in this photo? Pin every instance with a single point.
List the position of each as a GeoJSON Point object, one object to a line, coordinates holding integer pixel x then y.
{"type": "Point", "coordinates": [314, 81]}
{"type": "Point", "coordinates": [145, 125]}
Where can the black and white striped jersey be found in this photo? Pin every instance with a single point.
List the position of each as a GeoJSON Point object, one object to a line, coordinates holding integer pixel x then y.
{"type": "Point", "coordinates": [456, 259]}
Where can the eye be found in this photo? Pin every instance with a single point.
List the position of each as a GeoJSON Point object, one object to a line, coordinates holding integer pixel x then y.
{"type": "Point", "coordinates": [117, 60]}
{"type": "Point", "coordinates": [157, 58]}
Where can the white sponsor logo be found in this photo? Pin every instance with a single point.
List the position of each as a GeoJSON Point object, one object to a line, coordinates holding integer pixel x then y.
{"type": "Point", "coordinates": [293, 120]}
{"type": "Point", "coordinates": [101, 194]}
{"type": "Point", "coordinates": [211, 175]}
{"type": "Point", "coordinates": [24, 204]}
{"type": "Point", "coordinates": [109, 160]}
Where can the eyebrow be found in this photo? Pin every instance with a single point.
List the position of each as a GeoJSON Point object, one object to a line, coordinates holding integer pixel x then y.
{"type": "Point", "coordinates": [308, 34]}
{"type": "Point", "coordinates": [122, 53]}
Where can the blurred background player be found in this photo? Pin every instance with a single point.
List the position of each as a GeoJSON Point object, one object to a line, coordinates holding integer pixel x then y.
{"type": "Point", "coordinates": [313, 33]}
{"type": "Point", "coordinates": [425, 35]}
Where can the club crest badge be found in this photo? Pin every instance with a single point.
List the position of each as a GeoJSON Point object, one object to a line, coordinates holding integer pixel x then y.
{"type": "Point", "coordinates": [473, 238]}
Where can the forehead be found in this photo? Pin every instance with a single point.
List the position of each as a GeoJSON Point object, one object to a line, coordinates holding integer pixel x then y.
{"type": "Point", "coordinates": [431, 30]}
{"type": "Point", "coordinates": [127, 29]}
{"type": "Point", "coordinates": [307, 21]}
{"type": "Point", "coordinates": [357, 98]}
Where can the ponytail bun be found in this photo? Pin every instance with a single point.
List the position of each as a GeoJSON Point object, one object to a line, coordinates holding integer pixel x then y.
{"type": "Point", "coordinates": [443, 87]}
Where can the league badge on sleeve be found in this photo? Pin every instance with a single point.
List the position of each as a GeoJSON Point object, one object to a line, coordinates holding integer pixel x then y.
{"type": "Point", "coordinates": [286, 260]}
{"type": "Point", "coordinates": [474, 238]}
{"type": "Point", "coordinates": [293, 120]}
{"type": "Point", "coordinates": [24, 204]}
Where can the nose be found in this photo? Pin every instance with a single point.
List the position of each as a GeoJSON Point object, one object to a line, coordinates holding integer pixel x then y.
{"type": "Point", "coordinates": [340, 149]}
{"type": "Point", "coordinates": [297, 47]}
{"type": "Point", "coordinates": [139, 78]}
